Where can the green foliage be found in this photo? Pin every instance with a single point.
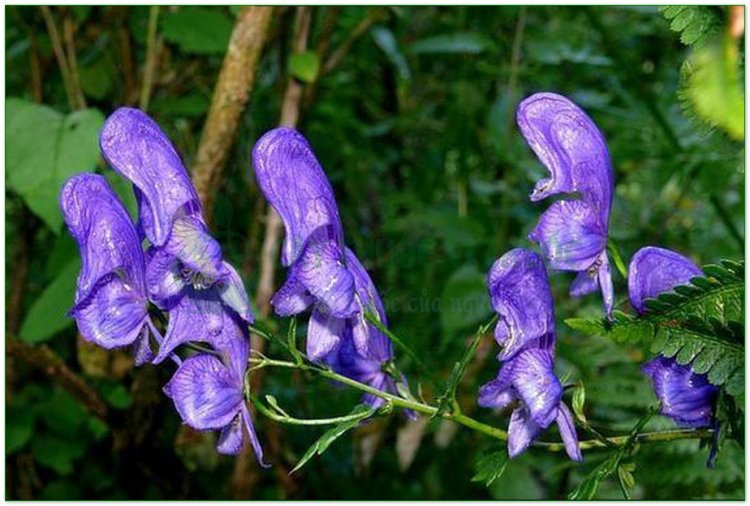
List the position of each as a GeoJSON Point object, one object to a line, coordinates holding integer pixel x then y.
{"type": "Point", "coordinates": [331, 435]}
{"type": "Point", "coordinates": [48, 314]}
{"type": "Point", "coordinates": [698, 323]}
{"type": "Point", "coordinates": [304, 66]}
{"type": "Point", "coordinates": [464, 300]}
{"type": "Point", "coordinates": [198, 30]}
{"type": "Point", "coordinates": [47, 148]}
{"type": "Point", "coordinates": [695, 23]}
{"type": "Point", "coordinates": [458, 43]}
{"type": "Point", "coordinates": [491, 466]}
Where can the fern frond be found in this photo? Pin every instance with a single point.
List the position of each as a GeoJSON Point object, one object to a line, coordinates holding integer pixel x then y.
{"type": "Point", "coordinates": [694, 23]}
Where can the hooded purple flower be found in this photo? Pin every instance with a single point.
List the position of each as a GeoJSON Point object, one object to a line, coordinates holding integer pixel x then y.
{"type": "Point", "coordinates": [573, 232]}
{"type": "Point", "coordinates": [520, 294]}
{"type": "Point", "coordinates": [110, 301]}
{"type": "Point", "coordinates": [323, 273]}
{"type": "Point", "coordinates": [184, 260]}
{"type": "Point", "coordinates": [207, 390]}
{"type": "Point", "coordinates": [686, 397]}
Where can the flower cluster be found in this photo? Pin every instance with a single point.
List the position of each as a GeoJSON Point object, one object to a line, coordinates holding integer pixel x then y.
{"type": "Point", "coordinates": [520, 294]}
{"type": "Point", "coordinates": [324, 274]}
{"type": "Point", "coordinates": [182, 273]}
{"type": "Point", "coordinates": [686, 397]}
{"type": "Point", "coordinates": [572, 232]}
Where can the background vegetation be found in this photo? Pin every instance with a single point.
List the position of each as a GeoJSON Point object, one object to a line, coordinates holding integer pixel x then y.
{"type": "Point", "coordinates": [415, 128]}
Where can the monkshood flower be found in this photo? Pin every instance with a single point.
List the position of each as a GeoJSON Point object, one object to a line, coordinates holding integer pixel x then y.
{"type": "Point", "coordinates": [572, 232]}
{"type": "Point", "coordinates": [323, 273]}
{"type": "Point", "coordinates": [111, 306]}
{"type": "Point", "coordinates": [686, 397]}
{"type": "Point", "coordinates": [520, 293]}
{"type": "Point", "coordinates": [184, 261]}
{"type": "Point", "coordinates": [207, 390]}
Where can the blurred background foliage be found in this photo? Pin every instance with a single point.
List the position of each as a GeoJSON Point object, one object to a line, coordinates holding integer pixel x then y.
{"type": "Point", "coordinates": [415, 128]}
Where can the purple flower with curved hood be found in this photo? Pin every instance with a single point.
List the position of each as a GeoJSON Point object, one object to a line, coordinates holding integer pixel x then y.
{"type": "Point", "coordinates": [111, 307]}
{"type": "Point", "coordinates": [184, 260]}
{"type": "Point", "coordinates": [686, 397]}
{"type": "Point", "coordinates": [323, 273]}
{"type": "Point", "coordinates": [573, 232]}
{"type": "Point", "coordinates": [207, 390]}
{"type": "Point", "coordinates": [520, 294]}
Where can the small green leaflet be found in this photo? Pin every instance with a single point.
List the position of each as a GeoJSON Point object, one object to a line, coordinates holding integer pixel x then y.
{"type": "Point", "coordinates": [304, 66]}
{"type": "Point", "coordinates": [48, 314]}
{"type": "Point", "coordinates": [490, 467]}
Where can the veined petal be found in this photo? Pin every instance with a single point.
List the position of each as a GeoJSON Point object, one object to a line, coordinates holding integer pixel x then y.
{"type": "Point", "coordinates": [198, 317]}
{"type": "Point", "coordinates": [321, 269]}
{"type": "Point", "coordinates": [585, 282]}
{"type": "Point", "coordinates": [233, 293]}
{"type": "Point", "coordinates": [568, 433]}
{"type": "Point", "coordinates": [197, 251]}
{"type": "Point", "coordinates": [324, 334]}
{"type": "Point", "coordinates": [297, 188]}
{"type": "Point", "coordinates": [570, 146]}
{"type": "Point", "coordinates": [164, 279]}
{"type": "Point", "coordinates": [254, 442]}
{"type": "Point", "coordinates": [135, 146]}
{"type": "Point", "coordinates": [653, 271]}
{"type": "Point", "coordinates": [233, 343]}
{"type": "Point", "coordinates": [522, 431]}
{"type": "Point", "coordinates": [113, 315]}
{"type": "Point", "coordinates": [497, 394]}
{"type": "Point", "coordinates": [570, 235]}
{"type": "Point", "coordinates": [368, 340]}
{"type": "Point", "coordinates": [231, 437]}
{"type": "Point", "coordinates": [142, 348]}
{"type": "Point", "coordinates": [104, 232]}
{"type": "Point", "coordinates": [534, 379]}
{"type": "Point", "coordinates": [292, 298]}
{"type": "Point", "coordinates": [520, 293]}
{"type": "Point", "coordinates": [205, 393]}
{"type": "Point", "coordinates": [686, 397]}
{"type": "Point", "coordinates": [605, 282]}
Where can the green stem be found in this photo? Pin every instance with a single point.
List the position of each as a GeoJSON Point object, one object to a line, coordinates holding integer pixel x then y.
{"type": "Point", "coordinates": [460, 418]}
{"type": "Point", "coordinates": [300, 421]}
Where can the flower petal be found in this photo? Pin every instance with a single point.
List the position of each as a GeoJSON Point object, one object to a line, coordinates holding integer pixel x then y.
{"type": "Point", "coordinates": [497, 394]}
{"type": "Point", "coordinates": [164, 279]}
{"type": "Point", "coordinates": [568, 433]}
{"type": "Point", "coordinates": [570, 145]}
{"type": "Point", "coordinates": [197, 317]}
{"type": "Point", "coordinates": [135, 146]}
{"type": "Point", "coordinates": [231, 438]}
{"type": "Point", "coordinates": [205, 393]}
{"type": "Point", "coordinates": [520, 293]}
{"type": "Point", "coordinates": [522, 431]}
{"type": "Point", "coordinates": [535, 381]}
{"type": "Point", "coordinates": [142, 352]}
{"type": "Point", "coordinates": [292, 298]}
{"type": "Point", "coordinates": [197, 251]}
{"type": "Point", "coordinates": [113, 315]}
{"type": "Point", "coordinates": [570, 235]}
{"type": "Point", "coordinates": [297, 188]}
{"type": "Point", "coordinates": [322, 271]}
{"type": "Point", "coordinates": [653, 271]}
{"type": "Point", "coordinates": [233, 293]}
{"type": "Point", "coordinates": [323, 334]}
{"type": "Point", "coordinates": [254, 442]}
{"type": "Point", "coordinates": [105, 234]}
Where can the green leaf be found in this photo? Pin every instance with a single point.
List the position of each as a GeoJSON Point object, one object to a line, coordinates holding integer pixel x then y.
{"type": "Point", "coordinates": [96, 80]}
{"type": "Point", "coordinates": [490, 467]}
{"type": "Point", "coordinates": [464, 301]}
{"type": "Point", "coordinates": [713, 85]}
{"type": "Point", "coordinates": [386, 41]}
{"type": "Point", "coordinates": [200, 30]}
{"type": "Point", "coordinates": [61, 413]}
{"type": "Point", "coordinates": [579, 400]}
{"type": "Point", "coordinates": [590, 484]}
{"type": "Point", "coordinates": [117, 395]}
{"type": "Point", "coordinates": [48, 314]}
{"type": "Point", "coordinates": [19, 429]}
{"type": "Point", "coordinates": [332, 434]}
{"type": "Point", "coordinates": [457, 43]}
{"type": "Point", "coordinates": [45, 148]}
{"type": "Point", "coordinates": [57, 453]}
{"type": "Point", "coordinates": [304, 66]}
{"type": "Point", "coordinates": [694, 23]}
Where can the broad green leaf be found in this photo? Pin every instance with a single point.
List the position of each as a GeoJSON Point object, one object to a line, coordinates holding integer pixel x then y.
{"type": "Point", "coordinates": [117, 395]}
{"type": "Point", "coordinates": [48, 314]}
{"type": "Point", "coordinates": [331, 435]}
{"type": "Point", "coordinates": [490, 467]}
{"type": "Point", "coordinates": [200, 30]}
{"type": "Point", "coordinates": [57, 453]}
{"type": "Point", "coordinates": [18, 429]}
{"type": "Point", "coordinates": [457, 43]}
{"type": "Point", "coordinates": [304, 66]}
{"type": "Point", "coordinates": [44, 148]}
{"type": "Point", "coordinates": [464, 301]}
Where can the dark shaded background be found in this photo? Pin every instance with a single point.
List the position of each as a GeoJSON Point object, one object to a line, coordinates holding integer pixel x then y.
{"type": "Point", "coordinates": [416, 131]}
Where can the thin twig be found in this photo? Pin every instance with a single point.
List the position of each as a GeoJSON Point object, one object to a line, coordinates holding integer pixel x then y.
{"type": "Point", "coordinates": [149, 67]}
{"type": "Point", "coordinates": [57, 48]}
{"type": "Point", "coordinates": [230, 97]}
{"type": "Point", "coordinates": [75, 81]}
{"type": "Point", "coordinates": [337, 56]}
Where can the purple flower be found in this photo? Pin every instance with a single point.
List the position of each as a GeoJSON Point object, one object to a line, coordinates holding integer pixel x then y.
{"type": "Point", "coordinates": [323, 273]}
{"type": "Point", "coordinates": [183, 256]}
{"type": "Point", "coordinates": [572, 232]}
{"type": "Point", "coordinates": [686, 397]}
{"type": "Point", "coordinates": [520, 294]}
{"type": "Point", "coordinates": [207, 390]}
{"type": "Point", "coordinates": [111, 307]}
